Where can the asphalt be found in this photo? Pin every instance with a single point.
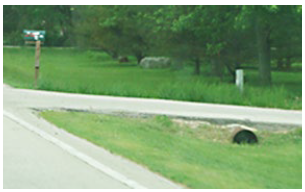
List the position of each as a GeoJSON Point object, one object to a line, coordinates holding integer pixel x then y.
{"type": "Point", "coordinates": [36, 154]}
{"type": "Point", "coordinates": [31, 162]}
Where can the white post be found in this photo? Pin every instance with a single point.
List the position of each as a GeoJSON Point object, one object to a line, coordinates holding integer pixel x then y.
{"type": "Point", "coordinates": [240, 79]}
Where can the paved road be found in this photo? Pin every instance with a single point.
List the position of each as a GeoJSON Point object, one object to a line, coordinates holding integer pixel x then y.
{"type": "Point", "coordinates": [31, 162]}
{"type": "Point", "coordinates": [44, 99]}
{"type": "Point", "coordinates": [39, 155]}
{"type": "Point", "coordinates": [36, 154]}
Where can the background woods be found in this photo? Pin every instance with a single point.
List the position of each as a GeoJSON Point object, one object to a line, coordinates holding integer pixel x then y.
{"type": "Point", "coordinates": [223, 37]}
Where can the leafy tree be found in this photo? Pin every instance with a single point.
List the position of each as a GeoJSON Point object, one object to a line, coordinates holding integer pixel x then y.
{"type": "Point", "coordinates": [118, 30]}
{"type": "Point", "coordinates": [287, 40]}
{"type": "Point", "coordinates": [196, 32]}
{"type": "Point", "coordinates": [222, 37]}
{"type": "Point", "coordinates": [267, 22]}
{"type": "Point", "coordinates": [55, 19]}
{"type": "Point", "coordinates": [181, 32]}
{"type": "Point", "coordinates": [11, 18]}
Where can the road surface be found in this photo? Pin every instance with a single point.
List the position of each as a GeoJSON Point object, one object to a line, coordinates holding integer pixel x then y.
{"type": "Point", "coordinates": [36, 154]}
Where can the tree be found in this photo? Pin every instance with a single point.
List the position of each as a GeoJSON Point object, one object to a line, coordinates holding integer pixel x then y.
{"type": "Point", "coordinates": [267, 21]}
{"type": "Point", "coordinates": [179, 27]}
{"type": "Point", "coordinates": [118, 30]}
{"type": "Point", "coordinates": [38, 17]}
{"type": "Point", "coordinates": [287, 41]}
{"type": "Point", "coordinates": [196, 32]}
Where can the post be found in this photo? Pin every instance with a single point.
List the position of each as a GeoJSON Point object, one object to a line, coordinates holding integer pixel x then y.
{"type": "Point", "coordinates": [37, 54]}
{"type": "Point", "coordinates": [240, 79]}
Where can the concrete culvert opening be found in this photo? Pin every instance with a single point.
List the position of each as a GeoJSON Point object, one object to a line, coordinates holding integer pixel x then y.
{"type": "Point", "coordinates": [241, 136]}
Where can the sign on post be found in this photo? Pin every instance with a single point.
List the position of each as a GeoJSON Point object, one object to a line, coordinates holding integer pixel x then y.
{"type": "Point", "coordinates": [35, 37]}
{"type": "Point", "coordinates": [31, 36]}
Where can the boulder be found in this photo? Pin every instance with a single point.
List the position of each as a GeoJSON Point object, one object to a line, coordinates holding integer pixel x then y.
{"type": "Point", "coordinates": [155, 62]}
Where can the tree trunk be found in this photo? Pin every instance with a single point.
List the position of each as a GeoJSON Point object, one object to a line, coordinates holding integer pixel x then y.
{"type": "Point", "coordinates": [114, 54]}
{"type": "Point", "coordinates": [197, 66]}
{"type": "Point", "coordinates": [263, 46]}
{"type": "Point", "coordinates": [231, 71]}
{"type": "Point", "coordinates": [139, 57]}
{"type": "Point", "coordinates": [288, 63]}
{"type": "Point", "coordinates": [280, 64]}
{"type": "Point", "coordinates": [217, 68]}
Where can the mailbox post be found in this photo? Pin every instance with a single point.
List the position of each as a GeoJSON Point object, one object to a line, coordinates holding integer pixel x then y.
{"type": "Point", "coordinates": [35, 37]}
{"type": "Point", "coordinates": [37, 54]}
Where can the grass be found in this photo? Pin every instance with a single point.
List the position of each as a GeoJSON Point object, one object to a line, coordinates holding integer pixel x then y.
{"type": "Point", "coordinates": [197, 158]}
{"type": "Point", "coordinates": [92, 72]}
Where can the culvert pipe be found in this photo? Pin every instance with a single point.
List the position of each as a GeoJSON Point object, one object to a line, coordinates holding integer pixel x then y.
{"type": "Point", "coordinates": [243, 134]}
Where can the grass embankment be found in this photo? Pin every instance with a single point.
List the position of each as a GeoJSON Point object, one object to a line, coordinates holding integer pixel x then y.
{"type": "Point", "coordinates": [89, 72]}
{"type": "Point", "coordinates": [198, 158]}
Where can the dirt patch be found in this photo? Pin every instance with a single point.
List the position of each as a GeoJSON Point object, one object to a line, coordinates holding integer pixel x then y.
{"type": "Point", "coordinates": [193, 122]}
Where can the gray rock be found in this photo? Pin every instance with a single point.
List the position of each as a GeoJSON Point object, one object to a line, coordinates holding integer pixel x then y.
{"type": "Point", "coordinates": [155, 62]}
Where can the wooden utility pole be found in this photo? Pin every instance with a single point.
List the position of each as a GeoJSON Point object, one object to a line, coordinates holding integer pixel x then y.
{"type": "Point", "coordinates": [37, 54]}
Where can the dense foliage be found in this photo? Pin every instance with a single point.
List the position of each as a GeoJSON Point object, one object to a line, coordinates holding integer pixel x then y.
{"type": "Point", "coordinates": [223, 37]}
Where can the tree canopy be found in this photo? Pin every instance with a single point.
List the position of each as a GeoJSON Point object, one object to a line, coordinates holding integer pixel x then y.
{"type": "Point", "coordinates": [223, 37]}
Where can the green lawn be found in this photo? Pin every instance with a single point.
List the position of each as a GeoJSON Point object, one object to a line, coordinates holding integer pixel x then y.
{"type": "Point", "coordinates": [197, 158]}
{"type": "Point", "coordinates": [92, 72]}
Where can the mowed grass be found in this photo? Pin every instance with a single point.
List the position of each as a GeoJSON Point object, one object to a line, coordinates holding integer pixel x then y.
{"type": "Point", "coordinates": [197, 158]}
{"type": "Point", "coordinates": [93, 72]}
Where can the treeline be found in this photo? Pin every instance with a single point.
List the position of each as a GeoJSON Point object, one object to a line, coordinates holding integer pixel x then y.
{"type": "Point", "coordinates": [223, 36]}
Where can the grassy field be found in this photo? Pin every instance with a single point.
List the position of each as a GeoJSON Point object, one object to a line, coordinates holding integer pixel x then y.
{"type": "Point", "coordinates": [197, 158]}
{"type": "Point", "coordinates": [91, 72]}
